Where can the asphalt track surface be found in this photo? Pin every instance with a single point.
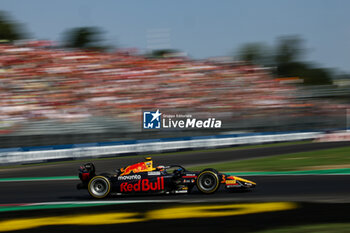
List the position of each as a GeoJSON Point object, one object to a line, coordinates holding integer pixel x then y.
{"type": "Point", "coordinates": [320, 198]}
{"type": "Point", "coordinates": [190, 158]}
{"type": "Point", "coordinates": [321, 188]}
{"type": "Point", "coordinates": [304, 214]}
{"type": "Point", "coordinates": [333, 188]}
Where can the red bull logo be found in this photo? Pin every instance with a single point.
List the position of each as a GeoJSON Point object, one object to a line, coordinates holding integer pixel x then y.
{"type": "Point", "coordinates": [143, 185]}
{"type": "Point", "coordinates": [135, 168]}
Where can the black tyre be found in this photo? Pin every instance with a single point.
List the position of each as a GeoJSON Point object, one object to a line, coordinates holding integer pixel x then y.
{"type": "Point", "coordinates": [99, 187]}
{"type": "Point", "coordinates": [211, 169]}
{"type": "Point", "coordinates": [208, 181]}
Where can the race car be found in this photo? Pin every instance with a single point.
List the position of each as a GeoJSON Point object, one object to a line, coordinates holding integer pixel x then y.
{"type": "Point", "coordinates": [143, 178]}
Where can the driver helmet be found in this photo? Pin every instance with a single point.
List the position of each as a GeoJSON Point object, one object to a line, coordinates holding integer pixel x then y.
{"type": "Point", "coordinates": [160, 168]}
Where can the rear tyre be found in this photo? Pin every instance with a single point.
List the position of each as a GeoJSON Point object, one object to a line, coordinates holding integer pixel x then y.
{"type": "Point", "coordinates": [99, 187]}
{"type": "Point", "coordinates": [208, 181]}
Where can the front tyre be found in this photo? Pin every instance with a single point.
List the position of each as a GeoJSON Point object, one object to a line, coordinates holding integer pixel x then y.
{"type": "Point", "coordinates": [208, 181]}
{"type": "Point", "coordinates": [99, 187]}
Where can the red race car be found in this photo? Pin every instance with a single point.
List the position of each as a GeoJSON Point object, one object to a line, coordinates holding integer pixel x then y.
{"type": "Point", "coordinates": [144, 178]}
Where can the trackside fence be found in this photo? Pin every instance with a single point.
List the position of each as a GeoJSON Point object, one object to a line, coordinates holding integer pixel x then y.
{"type": "Point", "coordinates": [121, 148]}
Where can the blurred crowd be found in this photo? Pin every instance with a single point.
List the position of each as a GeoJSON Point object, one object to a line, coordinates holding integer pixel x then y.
{"type": "Point", "coordinates": [39, 81]}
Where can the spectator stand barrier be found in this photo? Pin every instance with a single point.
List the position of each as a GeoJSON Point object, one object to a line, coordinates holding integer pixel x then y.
{"type": "Point", "coordinates": [22, 155]}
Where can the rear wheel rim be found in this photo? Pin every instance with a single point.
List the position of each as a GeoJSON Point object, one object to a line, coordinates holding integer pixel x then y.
{"type": "Point", "coordinates": [99, 187]}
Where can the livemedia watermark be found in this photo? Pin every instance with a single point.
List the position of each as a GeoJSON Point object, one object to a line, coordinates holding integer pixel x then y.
{"type": "Point", "coordinates": [161, 120]}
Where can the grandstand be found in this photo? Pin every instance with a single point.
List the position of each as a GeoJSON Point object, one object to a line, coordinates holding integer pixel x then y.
{"type": "Point", "coordinates": [46, 90]}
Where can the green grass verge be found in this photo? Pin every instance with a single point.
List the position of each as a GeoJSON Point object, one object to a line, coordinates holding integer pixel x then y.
{"type": "Point", "coordinates": [318, 228]}
{"type": "Point", "coordinates": [288, 162]}
{"type": "Point", "coordinates": [170, 153]}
